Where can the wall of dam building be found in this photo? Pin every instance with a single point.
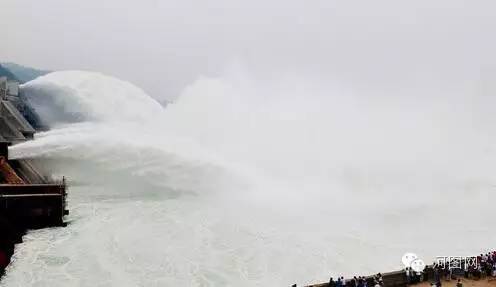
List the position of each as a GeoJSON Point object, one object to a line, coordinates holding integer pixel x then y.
{"type": "Point", "coordinates": [14, 127]}
{"type": "Point", "coordinates": [29, 198]}
{"type": "Point", "coordinates": [9, 91]}
{"type": "Point", "coordinates": [8, 87]}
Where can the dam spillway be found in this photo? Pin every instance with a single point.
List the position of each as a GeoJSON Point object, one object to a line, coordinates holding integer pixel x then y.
{"type": "Point", "coordinates": [29, 198]}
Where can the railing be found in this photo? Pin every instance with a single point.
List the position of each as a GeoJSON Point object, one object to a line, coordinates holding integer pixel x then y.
{"type": "Point", "coordinates": [34, 205]}
{"type": "Point", "coordinates": [10, 189]}
{"type": "Point", "coordinates": [390, 279]}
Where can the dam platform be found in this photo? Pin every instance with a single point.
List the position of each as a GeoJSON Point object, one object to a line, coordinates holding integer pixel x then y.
{"type": "Point", "coordinates": [29, 198]}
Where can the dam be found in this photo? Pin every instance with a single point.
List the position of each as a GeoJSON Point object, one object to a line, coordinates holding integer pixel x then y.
{"type": "Point", "coordinates": [29, 198]}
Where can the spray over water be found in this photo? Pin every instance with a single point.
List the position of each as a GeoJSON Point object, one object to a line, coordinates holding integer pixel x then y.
{"type": "Point", "coordinates": [250, 182]}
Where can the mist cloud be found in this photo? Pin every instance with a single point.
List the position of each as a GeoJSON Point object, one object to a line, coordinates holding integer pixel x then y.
{"type": "Point", "coordinates": [399, 48]}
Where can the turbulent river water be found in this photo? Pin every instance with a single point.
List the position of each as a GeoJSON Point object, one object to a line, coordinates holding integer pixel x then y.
{"type": "Point", "coordinates": [239, 183]}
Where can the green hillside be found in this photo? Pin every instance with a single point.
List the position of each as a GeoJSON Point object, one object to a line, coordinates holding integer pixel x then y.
{"type": "Point", "coordinates": [4, 72]}
{"type": "Point", "coordinates": [22, 73]}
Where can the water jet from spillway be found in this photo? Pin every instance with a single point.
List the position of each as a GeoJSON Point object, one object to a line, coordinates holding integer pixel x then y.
{"type": "Point", "coordinates": [245, 182]}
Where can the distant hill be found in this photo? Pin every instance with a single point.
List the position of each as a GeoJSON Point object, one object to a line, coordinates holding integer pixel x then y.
{"type": "Point", "coordinates": [4, 72]}
{"type": "Point", "coordinates": [22, 73]}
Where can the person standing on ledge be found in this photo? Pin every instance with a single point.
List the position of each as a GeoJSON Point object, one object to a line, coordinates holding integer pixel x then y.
{"type": "Point", "coordinates": [332, 283]}
{"type": "Point", "coordinates": [354, 282]}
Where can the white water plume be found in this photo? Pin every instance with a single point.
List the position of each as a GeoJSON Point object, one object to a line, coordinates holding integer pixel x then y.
{"type": "Point", "coordinates": [253, 182]}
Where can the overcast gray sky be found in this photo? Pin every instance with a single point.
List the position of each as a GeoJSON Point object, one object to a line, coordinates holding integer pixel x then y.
{"type": "Point", "coordinates": [163, 45]}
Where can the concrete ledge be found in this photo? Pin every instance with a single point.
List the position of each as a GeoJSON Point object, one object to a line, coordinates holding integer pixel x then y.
{"type": "Point", "coordinates": [390, 279]}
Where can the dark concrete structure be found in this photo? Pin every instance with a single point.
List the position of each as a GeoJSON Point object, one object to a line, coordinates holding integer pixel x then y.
{"type": "Point", "coordinates": [390, 279]}
{"type": "Point", "coordinates": [28, 197]}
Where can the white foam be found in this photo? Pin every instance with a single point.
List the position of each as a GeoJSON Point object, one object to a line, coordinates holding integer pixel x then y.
{"type": "Point", "coordinates": [248, 183]}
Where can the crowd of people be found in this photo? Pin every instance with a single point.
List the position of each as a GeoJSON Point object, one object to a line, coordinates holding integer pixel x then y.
{"type": "Point", "coordinates": [455, 267]}
{"type": "Point", "coordinates": [450, 268]}
{"type": "Point", "coordinates": [374, 281]}
{"type": "Point", "coordinates": [475, 267]}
